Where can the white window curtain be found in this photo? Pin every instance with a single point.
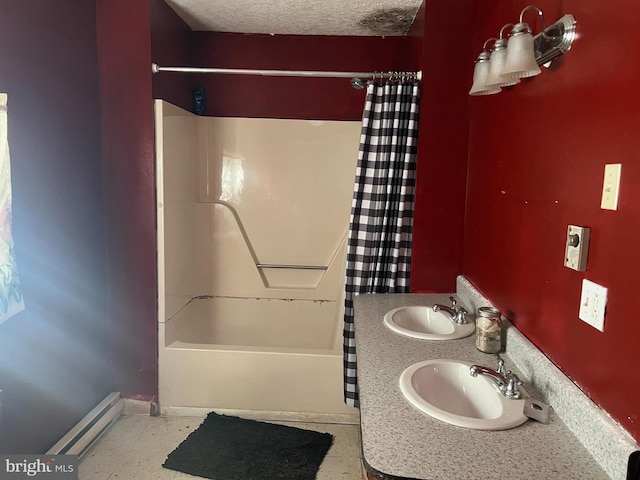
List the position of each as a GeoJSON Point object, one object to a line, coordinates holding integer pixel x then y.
{"type": "Point", "coordinates": [11, 301]}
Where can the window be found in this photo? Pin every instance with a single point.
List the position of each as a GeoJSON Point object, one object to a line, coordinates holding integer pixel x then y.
{"type": "Point", "coordinates": [11, 301]}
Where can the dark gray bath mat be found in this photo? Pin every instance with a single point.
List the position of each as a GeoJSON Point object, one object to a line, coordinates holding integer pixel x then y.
{"type": "Point", "coordinates": [232, 448]}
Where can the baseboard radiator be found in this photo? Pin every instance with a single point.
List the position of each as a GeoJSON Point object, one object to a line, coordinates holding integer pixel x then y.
{"type": "Point", "coordinates": [87, 431]}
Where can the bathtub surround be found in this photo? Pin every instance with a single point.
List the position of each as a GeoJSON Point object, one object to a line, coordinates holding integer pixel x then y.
{"type": "Point", "coordinates": [380, 228]}
{"type": "Point", "coordinates": [251, 263]}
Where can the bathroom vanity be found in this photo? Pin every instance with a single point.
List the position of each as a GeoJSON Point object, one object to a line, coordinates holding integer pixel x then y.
{"type": "Point", "coordinates": [401, 442]}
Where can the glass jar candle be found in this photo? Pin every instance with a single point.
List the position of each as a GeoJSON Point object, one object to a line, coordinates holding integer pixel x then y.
{"type": "Point", "coordinates": [488, 330]}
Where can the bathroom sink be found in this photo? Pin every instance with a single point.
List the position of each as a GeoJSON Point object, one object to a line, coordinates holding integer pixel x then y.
{"type": "Point", "coordinates": [445, 390]}
{"type": "Point", "coordinates": [423, 322]}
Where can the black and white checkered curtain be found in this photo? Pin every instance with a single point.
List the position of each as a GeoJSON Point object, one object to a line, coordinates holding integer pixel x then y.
{"type": "Point", "coordinates": [380, 229]}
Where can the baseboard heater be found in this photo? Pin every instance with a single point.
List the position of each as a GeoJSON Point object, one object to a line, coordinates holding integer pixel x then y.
{"type": "Point", "coordinates": [87, 431]}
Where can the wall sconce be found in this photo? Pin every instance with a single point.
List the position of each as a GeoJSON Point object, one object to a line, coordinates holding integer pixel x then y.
{"type": "Point", "coordinates": [522, 55]}
{"type": "Point", "coordinates": [497, 61]}
{"type": "Point", "coordinates": [481, 72]}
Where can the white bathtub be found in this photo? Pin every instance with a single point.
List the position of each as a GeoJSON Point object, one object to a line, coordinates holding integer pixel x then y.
{"type": "Point", "coordinates": [267, 355]}
{"type": "Point", "coordinates": [238, 236]}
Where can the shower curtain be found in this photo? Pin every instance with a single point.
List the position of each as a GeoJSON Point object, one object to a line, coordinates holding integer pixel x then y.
{"type": "Point", "coordinates": [10, 292]}
{"type": "Point", "coordinates": [381, 222]}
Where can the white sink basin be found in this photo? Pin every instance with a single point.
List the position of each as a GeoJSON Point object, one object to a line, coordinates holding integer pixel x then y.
{"type": "Point", "coordinates": [423, 322]}
{"type": "Point", "coordinates": [445, 390]}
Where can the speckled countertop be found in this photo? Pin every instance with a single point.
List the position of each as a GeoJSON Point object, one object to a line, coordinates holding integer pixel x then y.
{"type": "Point", "coordinates": [400, 441]}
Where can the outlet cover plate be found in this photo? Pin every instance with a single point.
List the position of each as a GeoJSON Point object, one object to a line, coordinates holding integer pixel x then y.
{"type": "Point", "coordinates": [593, 303]}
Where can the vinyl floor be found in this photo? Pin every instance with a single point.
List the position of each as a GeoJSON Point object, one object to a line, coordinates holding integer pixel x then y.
{"type": "Point", "coordinates": [137, 445]}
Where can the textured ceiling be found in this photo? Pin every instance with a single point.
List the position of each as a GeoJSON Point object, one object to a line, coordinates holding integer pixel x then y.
{"type": "Point", "coordinates": [299, 17]}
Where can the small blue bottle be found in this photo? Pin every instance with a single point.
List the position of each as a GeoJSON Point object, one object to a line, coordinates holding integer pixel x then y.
{"type": "Point", "coordinates": [198, 100]}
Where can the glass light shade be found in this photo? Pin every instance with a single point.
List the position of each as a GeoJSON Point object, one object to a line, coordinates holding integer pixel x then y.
{"type": "Point", "coordinates": [495, 79]}
{"type": "Point", "coordinates": [521, 59]}
{"type": "Point", "coordinates": [480, 74]}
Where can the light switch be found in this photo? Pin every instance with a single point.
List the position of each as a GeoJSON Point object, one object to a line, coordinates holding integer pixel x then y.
{"type": "Point", "coordinates": [577, 247]}
{"type": "Point", "coordinates": [593, 303]}
{"type": "Point", "coordinates": [611, 186]}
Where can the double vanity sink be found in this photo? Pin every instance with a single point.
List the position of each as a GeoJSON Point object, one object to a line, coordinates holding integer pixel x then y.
{"type": "Point", "coordinates": [424, 416]}
{"type": "Point", "coordinates": [446, 389]}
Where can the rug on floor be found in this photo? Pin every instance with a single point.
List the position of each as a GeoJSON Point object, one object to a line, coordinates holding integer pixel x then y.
{"type": "Point", "coordinates": [233, 448]}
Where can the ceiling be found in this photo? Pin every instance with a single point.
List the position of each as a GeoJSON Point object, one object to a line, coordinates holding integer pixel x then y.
{"type": "Point", "coordinates": [299, 17]}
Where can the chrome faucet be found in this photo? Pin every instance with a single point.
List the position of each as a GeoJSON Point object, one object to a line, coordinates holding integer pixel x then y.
{"type": "Point", "coordinates": [506, 381]}
{"type": "Point", "coordinates": [457, 314]}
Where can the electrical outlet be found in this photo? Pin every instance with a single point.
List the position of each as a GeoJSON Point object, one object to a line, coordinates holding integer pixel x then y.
{"type": "Point", "coordinates": [611, 186]}
{"type": "Point", "coordinates": [577, 248]}
{"type": "Point", "coordinates": [593, 303]}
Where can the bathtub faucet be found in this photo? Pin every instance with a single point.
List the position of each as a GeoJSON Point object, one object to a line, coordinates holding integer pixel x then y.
{"type": "Point", "coordinates": [458, 314]}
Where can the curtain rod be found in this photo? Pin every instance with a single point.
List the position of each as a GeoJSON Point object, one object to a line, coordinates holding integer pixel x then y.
{"type": "Point", "coordinates": [155, 68]}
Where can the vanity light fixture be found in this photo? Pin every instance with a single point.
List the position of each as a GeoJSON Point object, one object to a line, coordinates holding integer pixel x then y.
{"type": "Point", "coordinates": [496, 63]}
{"type": "Point", "coordinates": [481, 72]}
{"type": "Point", "coordinates": [522, 55]}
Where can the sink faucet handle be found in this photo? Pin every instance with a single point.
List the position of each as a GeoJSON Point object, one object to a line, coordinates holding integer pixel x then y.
{"type": "Point", "coordinates": [512, 390]}
{"type": "Point", "coordinates": [454, 302]}
{"type": "Point", "coordinates": [461, 316]}
{"type": "Point", "coordinates": [501, 368]}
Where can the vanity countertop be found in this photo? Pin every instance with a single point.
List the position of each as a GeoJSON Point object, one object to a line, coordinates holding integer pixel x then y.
{"type": "Point", "coordinates": [401, 442]}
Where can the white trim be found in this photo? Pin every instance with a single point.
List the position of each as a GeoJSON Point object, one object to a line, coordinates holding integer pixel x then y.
{"type": "Point", "coordinates": [264, 415]}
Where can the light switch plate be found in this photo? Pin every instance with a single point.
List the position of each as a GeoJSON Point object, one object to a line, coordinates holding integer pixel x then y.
{"type": "Point", "coordinates": [577, 247]}
{"type": "Point", "coordinates": [593, 303]}
{"type": "Point", "coordinates": [611, 186]}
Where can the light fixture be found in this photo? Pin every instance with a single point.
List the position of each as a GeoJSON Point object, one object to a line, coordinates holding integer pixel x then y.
{"type": "Point", "coordinates": [557, 40]}
{"type": "Point", "coordinates": [497, 60]}
{"type": "Point", "coordinates": [481, 73]}
{"type": "Point", "coordinates": [522, 55]}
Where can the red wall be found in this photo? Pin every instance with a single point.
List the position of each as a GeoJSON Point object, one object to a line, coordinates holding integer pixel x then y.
{"type": "Point", "coordinates": [124, 53]}
{"type": "Point", "coordinates": [170, 46]}
{"type": "Point", "coordinates": [294, 97]}
{"type": "Point", "coordinates": [536, 163]}
{"type": "Point", "coordinates": [442, 145]}
{"type": "Point", "coordinates": [53, 367]}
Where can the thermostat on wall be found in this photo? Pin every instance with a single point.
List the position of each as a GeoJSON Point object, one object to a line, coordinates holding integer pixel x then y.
{"type": "Point", "coordinates": [577, 248]}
